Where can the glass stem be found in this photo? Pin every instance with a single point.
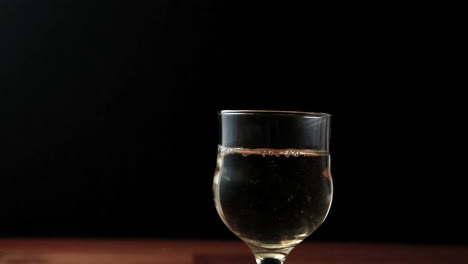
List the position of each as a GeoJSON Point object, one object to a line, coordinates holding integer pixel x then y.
{"type": "Point", "coordinates": [269, 261]}
{"type": "Point", "coordinates": [270, 256]}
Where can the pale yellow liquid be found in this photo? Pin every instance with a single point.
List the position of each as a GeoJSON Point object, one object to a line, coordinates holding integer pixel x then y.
{"type": "Point", "coordinates": [272, 198]}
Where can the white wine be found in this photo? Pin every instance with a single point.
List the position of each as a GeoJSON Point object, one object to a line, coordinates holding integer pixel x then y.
{"type": "Point", "coordinates": [272, 198]}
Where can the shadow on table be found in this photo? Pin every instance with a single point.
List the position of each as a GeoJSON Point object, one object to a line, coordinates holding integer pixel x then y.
{"type": "Point", "coordinates": [234, 259]}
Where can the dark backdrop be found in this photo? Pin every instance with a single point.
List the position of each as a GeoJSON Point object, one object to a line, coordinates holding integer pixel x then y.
{"type": "Point", "coordinates": [108, 123]}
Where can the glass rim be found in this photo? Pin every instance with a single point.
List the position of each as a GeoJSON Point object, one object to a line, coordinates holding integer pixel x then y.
{"type": "Point", "coordinates": [301, 113]}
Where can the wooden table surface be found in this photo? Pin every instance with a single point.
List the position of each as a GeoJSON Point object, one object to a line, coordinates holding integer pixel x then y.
{"type": "Point", "coordinates": [216, 252]}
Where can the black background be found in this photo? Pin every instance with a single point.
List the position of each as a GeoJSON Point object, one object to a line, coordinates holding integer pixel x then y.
{"type": "Point", "coordinates": [109, 127]}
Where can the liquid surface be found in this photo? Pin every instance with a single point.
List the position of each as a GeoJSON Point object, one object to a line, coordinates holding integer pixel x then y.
{"type": "Point", "coordinates": [272, 198]}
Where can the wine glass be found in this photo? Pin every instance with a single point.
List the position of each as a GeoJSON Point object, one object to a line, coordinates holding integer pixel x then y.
{"type": "Point", "coordinates": [272, 186]}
